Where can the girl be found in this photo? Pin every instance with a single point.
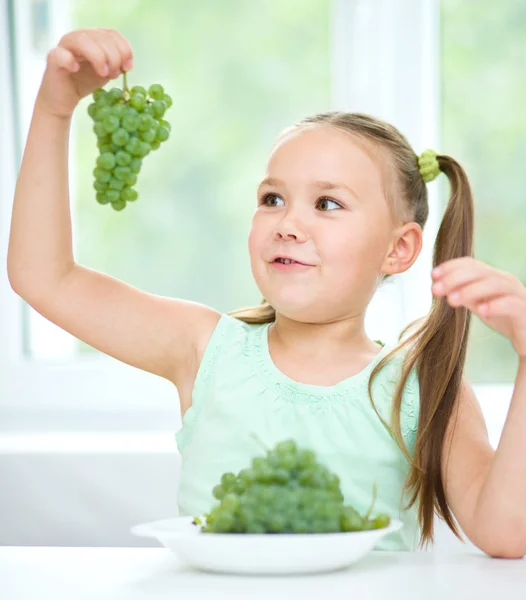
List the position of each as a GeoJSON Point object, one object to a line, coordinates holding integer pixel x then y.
{"type": "Point", "coordinates": [341, 208]}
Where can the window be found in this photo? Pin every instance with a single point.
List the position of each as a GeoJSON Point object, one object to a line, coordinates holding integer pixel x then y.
{"type": "Point", "coordinates": [484, 128]}
{"type": "Point", "coordinates": [238, 73]}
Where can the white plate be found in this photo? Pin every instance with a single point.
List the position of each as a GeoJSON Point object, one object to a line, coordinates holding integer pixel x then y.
{"type": "Point", "coordinates": [248, 553]}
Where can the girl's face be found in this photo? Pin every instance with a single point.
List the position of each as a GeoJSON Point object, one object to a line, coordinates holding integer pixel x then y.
{"type": "Point", "coordinates": [321, 203]}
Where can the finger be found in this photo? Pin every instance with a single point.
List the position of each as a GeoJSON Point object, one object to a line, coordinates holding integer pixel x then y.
{"type": "Point", "coordinates": [503, 306]}
{"type": "Point", "coordinates": [63, 59]}
{"type": "Point", "coordinates": [483, 290]}
{"type": "Point", "coordinates": [113, 57]}
{"type": "Point", "coordinates": [454, 279]}
{"type": "Point", "coordinates": [124, 47]}
{"type": "Point", "coordinates": [449, 266]}
{"type": "Point", "coordinates": [83, 47]}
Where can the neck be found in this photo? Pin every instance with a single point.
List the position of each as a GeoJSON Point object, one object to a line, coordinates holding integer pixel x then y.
{"type": "Point", "coordinates": [340, 337]}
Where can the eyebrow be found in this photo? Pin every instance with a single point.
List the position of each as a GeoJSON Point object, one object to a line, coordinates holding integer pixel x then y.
{"type": "Point", "coordinates": [322, 185]}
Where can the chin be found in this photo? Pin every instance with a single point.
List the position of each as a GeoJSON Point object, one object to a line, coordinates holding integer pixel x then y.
{"type": "Point", "coordinates": [297, 309]}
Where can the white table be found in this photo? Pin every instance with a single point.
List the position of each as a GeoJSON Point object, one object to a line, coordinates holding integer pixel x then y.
{"type": "Point", "coordinates": [59, 573]}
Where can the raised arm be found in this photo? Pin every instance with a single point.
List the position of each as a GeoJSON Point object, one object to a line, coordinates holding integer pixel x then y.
{"type": "Point", "coordinates": [157, 334]}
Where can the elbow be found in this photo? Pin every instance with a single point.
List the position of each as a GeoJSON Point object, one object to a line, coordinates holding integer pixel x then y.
{"type": "Point", "coordinates": [506, 552]}
{"type": "Point", "coordinates": [503, 538]}
{"type": "Point", "coordinates": [13, 281]}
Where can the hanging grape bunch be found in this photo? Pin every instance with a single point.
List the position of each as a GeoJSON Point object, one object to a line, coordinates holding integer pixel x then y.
{"type": "Point", "coordinates": [129, 124]}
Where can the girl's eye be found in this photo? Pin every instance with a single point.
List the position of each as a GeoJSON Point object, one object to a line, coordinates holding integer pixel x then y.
{"type": "Point", "coordinates": [321, 201]}
{"type": "Point", "coordinates": [266, 197]}
{"type": "Point", "coordinates": [326, 200]}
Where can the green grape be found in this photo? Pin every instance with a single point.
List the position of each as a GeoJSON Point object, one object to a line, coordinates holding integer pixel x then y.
{"type": "Point", "coordinates": [99, 129]}
{"type": "Point", "coordinates": [146, 122]}
{"type": "Point", "coordinates": [98, 94]}
{"type": "Point", "coordinates": [111, 123]}
{"type": "Point", "coordinates": [114, 95]}
{"type": "Point", "coordinates": [158, 109]}
{"type": "Point", "coordinates": [129, 125]}
{"type": "Point", "coordinates": [92, 110]}
{"type": "Point", "coordinates": [102, 113]}
{"type": "Point", "coordinates": [113, 195]}
{"type": "Point", "coordinates": [116, 184]}
{"type": "Point", "coordinates": [138, 101]}
{"type": "Point", "coordinates": [123, 158]}
{"type": "Point", "coordinates": [120, 137]}
{"type": "Point", "coordinates": [351, 520]}
{"type": "Point", "coordinates": [103, 101]}
{"type": "Point", "coordinates": [133, 146]}
{"type": "Point", "coordinates": [288, 446]}
{"type": "Point", "coordinates": [382, 521]}
{"type": "Point", "coordinates": [101, 174]}
{"type": "Point", "coordinates": [106, 160]}
{"type": "Point", "coordinates": [122, 173]}
{"type": "Point", "coordinates": [119, 110]}
{"type": "Point", "coordinates": [138, 89]}
{"type": "Point", "coordinates": [118, 204]}
{"type": "Point", "coordinates": [100, 186]}
{"type": "Point", "coordinates": [135, 165]}
{"type": "Point", "coordinates": [156, 91]}
{"type": "Point", "coordinates": [163, 133]}
{"type": "Point", "coordinates": [129, 194]}
{"type": "Point", "coordinates": [131, 180]}
{"type": "Point", "coordinates": [218, 492]}
{"type": "Point", "coordinates": [102, 198]}
{"type": "Point", "coordinates": [148, 136]}
{"type": "Point", "coordinates": [144, 149]}
{"type": "Point", "coordinates": [228, 480]}
{"type": "Point", "coordinates": [104, 147]}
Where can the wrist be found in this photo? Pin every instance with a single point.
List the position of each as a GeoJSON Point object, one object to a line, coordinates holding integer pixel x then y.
{"type": "Point", "coordinates": [41, 109]}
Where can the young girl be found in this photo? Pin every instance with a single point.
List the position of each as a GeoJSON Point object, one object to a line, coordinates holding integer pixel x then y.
{"type": "Point", "coordinates": [341, 208]}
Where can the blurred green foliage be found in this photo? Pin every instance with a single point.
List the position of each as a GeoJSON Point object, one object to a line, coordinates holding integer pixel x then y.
{"type": "Point", "coordinates": [483, 58]}
{"type": "Point", "coordinates": [238, 72]}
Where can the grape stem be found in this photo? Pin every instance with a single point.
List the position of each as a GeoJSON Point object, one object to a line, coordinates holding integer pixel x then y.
{"type": "Point", "coordinates": [258, 440]}
{"type": "Point", "coordinates": [126, 91]}
{"type": "Point", "coordinates": [368, 513]}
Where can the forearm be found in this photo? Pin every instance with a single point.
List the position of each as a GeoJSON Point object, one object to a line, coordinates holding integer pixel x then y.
{"type": "Point", "coordinates": [40, 245]}
{"type": "Point", "coordinates": [501, 506]}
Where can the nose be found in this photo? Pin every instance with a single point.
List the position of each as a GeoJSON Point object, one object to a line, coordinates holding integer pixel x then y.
{"type": "Point", "coordinates": [290, 227]}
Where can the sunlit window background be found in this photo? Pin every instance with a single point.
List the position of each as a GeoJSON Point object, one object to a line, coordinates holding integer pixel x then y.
{"type": "Point", "coordinates": [186, 236]}
{"type": "Point", "coordinates": [483, 125]}
{"type": "Point", "coordinates": [237, 72]}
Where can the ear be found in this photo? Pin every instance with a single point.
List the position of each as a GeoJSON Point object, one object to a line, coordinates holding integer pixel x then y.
{"type": "Point", "coordinates": [404, 249]}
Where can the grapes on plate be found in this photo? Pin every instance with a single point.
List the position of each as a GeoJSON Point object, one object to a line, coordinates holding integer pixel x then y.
{"type": "Point", "coordinates": [286, 491]}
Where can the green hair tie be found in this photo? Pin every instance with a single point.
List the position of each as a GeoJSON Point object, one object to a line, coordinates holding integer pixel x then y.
{"type": "Point", "coordinates": [428, 165]}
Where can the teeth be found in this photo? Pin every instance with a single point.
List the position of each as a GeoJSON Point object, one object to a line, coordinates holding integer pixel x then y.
{"type": "Point", "coordinates": [286, 261]}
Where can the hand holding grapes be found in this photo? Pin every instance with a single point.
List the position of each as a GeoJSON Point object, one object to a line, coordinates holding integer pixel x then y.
{"type": "Point", "coordinates": [128, 124]}
{"type": "Point", "coordinates": [76, 67]}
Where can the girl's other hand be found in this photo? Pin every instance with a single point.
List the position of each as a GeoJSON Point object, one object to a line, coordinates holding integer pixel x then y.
{"type": "Point", "coordinates": [496, 297]}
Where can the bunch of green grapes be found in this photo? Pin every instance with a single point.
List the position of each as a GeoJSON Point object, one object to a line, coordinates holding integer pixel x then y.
{"type": "Point", "coordinates": [129, 124]}
{"type": "Point", "coordinates": [287, 491]}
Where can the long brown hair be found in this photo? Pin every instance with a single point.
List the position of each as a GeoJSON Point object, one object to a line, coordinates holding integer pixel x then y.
{"type": "Point", "coordinates": [438, 345]}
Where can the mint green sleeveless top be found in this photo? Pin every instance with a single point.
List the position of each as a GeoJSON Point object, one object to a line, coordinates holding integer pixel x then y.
{"type": "Point", "coordinates": [238, 390]}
